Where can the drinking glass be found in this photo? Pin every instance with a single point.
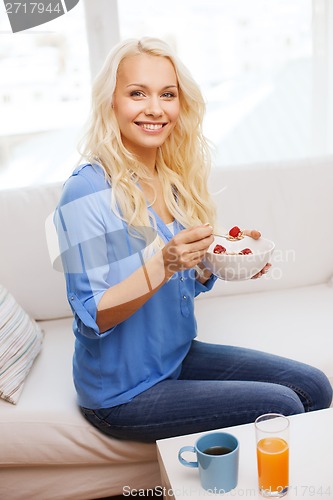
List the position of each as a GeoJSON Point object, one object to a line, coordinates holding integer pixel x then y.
{"type": "Point", "coordinates": [272, 437]}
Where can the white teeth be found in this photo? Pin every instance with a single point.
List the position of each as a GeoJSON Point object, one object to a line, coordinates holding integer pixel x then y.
{"type": "Point", "coordinates": [151, 126]}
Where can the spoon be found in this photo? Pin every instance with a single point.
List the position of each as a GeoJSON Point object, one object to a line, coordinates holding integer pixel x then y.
{"type": "Point", "coordinates": [253, 233]}
{"type": "Point", "coordinates": [228, 237]}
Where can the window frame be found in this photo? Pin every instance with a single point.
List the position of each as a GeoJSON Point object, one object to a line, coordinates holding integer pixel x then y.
{"type": "Point", "coordinates": [103, 32]}
{"type": "Point", "coordinates": [322, 111]}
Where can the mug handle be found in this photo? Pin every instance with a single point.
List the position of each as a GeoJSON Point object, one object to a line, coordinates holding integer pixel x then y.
{"type": "Point", "coordinates": [182, 460]}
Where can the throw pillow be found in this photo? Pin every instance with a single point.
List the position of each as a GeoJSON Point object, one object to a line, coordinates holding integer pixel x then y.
{"type": "Point", "coordinates": [20, 342]}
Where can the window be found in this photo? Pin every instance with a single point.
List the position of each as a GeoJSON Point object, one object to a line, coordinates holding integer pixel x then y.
{"type": "Point", "coordinates": [265, 68]}
{"type": "Point", "coordinates": [257, 65]}
{"type": "Point", "coordinates": [44, 99]}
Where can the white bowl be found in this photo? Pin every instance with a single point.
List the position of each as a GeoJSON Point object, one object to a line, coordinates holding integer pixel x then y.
{"type": "Point", "coordinates": [238, 267]}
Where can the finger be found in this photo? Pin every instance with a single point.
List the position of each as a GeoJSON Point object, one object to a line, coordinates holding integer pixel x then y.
{"type": "Point", "coordinates": [192, 259]}
{"type": "Point", "coordinates": [200, 245]}
{"type": "Point", "coordinates": [182, 249]}
{"type": "Point", "coordinates": [190, 256]}
{"type": "Point", "coordinates": [185, 256]}
{"type": "Point", "coordinates": [253, 233]}
{"type": "Point", "coordinates": [195, 233]}
{"type": "Point", "coordinates": [264, 270]}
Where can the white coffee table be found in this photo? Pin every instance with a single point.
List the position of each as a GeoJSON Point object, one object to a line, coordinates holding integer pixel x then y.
{"type": "Point", "coordinates": [311, 461]}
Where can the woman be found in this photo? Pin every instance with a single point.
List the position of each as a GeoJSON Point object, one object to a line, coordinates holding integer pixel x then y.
{"type": "Point", "coordinates": [134, 225]}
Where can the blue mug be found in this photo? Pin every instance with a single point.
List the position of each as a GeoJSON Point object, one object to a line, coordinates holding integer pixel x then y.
{"type": "Point", "coordinates": [217, 459]}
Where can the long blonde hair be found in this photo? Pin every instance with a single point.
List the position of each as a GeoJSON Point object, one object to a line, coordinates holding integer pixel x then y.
{"type": "Point", "coordinates": [183, 161]}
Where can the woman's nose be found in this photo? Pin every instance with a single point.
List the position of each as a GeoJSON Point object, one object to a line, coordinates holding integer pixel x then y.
{"type": "Point", "coordinates": [153, 107]}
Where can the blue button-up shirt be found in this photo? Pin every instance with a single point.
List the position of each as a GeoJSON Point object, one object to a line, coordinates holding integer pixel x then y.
{"type": "Point", "coordinates": [112, 367]}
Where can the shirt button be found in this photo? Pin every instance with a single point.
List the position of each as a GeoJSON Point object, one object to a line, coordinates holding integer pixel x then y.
{"type": "Point", "coordinates": [181, 278]}
{"type": "Point", "coordinates": [72, 298]}
{"type": "Point", "coordinates": [184, 297]}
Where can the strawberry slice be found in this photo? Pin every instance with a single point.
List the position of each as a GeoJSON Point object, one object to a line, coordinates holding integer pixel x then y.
{"type": "Point", "coordinates": [219, 249]}
{"type": "Point", "coordinates": [245, 251]}
{"type": "Point", "coordinates": [234, 232]}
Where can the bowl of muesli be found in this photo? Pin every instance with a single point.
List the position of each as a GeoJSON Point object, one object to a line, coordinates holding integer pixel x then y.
{"type": "Point", "coordinates": [238, 258]}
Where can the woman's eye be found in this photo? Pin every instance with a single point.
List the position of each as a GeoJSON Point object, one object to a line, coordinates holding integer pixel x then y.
{"type": "Point", "coordinates": [169, 95]}
{"type": "Point", "coordinates": [137, 93]}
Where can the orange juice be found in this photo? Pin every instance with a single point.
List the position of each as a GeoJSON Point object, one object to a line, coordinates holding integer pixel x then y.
{"type": "Point", "coordinates": [273, 464]}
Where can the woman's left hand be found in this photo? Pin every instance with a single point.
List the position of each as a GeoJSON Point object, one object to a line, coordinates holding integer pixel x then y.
{"type": "Point", "coordinates": [262, 272]}
{"type": "Point", "coordinates": [253, 233]}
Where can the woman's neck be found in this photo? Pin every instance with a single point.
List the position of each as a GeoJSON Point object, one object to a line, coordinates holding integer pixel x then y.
{"type": "Point", "coordinates": [149, 161]}
{"type": "Point", "coordinates": [147, 157]}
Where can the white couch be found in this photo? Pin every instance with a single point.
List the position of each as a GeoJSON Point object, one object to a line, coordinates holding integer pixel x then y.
{"type": "Point", "coordinates": [48, 450]}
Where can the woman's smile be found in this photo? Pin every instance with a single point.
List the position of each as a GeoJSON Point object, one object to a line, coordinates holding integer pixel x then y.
{"type": "Point", "coordinates": [150, 127]}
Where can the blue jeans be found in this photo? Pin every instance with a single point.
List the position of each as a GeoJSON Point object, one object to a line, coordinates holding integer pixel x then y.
{"type": "Point", "coordinates": [219, 386]}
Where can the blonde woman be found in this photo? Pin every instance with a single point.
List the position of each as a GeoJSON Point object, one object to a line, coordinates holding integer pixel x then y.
{"type": "Point", "coordinates": [134, 223]}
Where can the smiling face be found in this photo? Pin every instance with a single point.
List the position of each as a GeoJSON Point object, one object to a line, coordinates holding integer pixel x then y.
{"type": "Point", "coordinates": [146, 103]}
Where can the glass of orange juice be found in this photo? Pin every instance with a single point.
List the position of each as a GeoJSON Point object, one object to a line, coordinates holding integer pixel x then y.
{"type": "Point", "coordinates": [272, 436]}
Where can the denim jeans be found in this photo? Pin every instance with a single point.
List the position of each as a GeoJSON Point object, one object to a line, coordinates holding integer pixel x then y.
{"type": "Point", "coordinates": [219, 386]}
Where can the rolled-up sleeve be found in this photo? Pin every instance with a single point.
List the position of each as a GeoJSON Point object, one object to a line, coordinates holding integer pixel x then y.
{"type": "Point", "coordinates": [205, 287]}
{"type": "Point", "coordinates": [79, 220]}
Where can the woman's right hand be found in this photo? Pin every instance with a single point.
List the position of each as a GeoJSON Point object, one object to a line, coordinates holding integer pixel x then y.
{"type": "Point", "coordinates": [120, 301]}
{"type": "Point", "coordinates": [187, 248]}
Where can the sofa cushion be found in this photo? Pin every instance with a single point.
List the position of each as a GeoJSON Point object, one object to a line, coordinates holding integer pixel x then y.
{"type": "Point", "coordinates": [290, 202]}
{"type": "Point", "coordinates": [296, 323]}
{"type": "Point", "coordinates": [20, 342]}
{"type": "Point", "coordinates": [26, 268]}
{"type": "Point", "coordinates": [47, 426]}
{"type": "Point", "coordinates": [50, 450]}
